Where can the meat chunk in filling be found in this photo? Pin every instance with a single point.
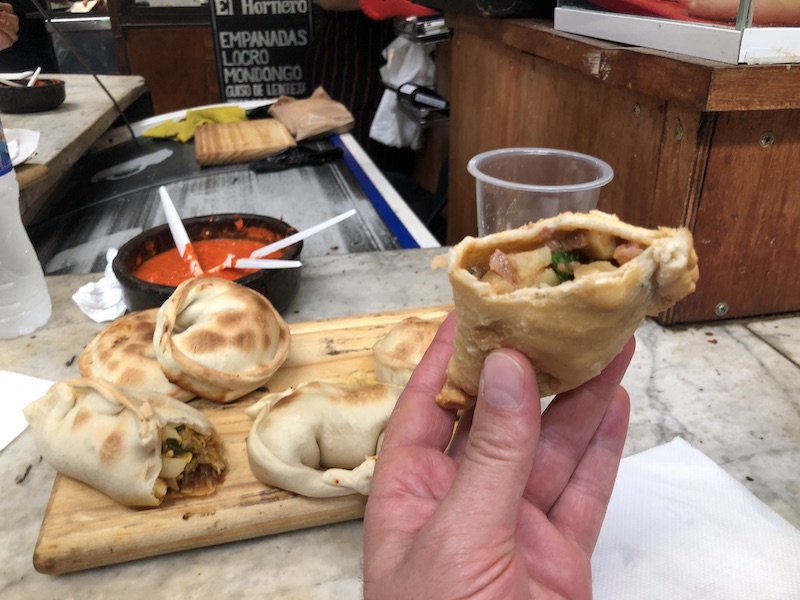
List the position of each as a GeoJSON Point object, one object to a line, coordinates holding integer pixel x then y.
{"type": "Point", "coordinates": [192, 464]}
{"type": "Point", "coordinates": [565, 255]}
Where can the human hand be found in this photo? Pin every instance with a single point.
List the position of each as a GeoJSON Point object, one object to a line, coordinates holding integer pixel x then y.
{"type": "Point", "coordinates": [9, 26]}
{"type": "Point", "coordinates": [514, 507]}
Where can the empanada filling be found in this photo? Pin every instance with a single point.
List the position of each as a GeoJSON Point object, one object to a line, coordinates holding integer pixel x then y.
{"type": "Point", "coordinates": [191, 463]}
{"type": "Point", "coordinates": [563, 256]}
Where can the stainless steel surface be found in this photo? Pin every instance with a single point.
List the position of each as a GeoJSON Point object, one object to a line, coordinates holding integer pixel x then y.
{"type": "Point", "coordinates": [113, 196]}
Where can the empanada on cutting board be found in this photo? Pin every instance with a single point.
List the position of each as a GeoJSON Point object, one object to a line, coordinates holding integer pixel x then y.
{"type": "Point", "coordinates": [240, 142]}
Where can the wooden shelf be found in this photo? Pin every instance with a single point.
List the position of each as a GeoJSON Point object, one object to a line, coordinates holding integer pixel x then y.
{"type": "Point", "coordinates": [703, 84]}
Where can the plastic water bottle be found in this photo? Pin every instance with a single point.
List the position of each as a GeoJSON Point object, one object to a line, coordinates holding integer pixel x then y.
{"type": "Point", "coordinates": [24, 299]}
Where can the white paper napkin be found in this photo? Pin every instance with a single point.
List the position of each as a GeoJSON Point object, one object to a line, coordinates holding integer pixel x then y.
{"type": "Point", "coordinates": [680, 527]}
{"type": "Point", "coordinates": [102, 300]}
{"type": "Point", "coordinates": [22, 144]}
{"type": "Point", "coordinates": [18, 391]}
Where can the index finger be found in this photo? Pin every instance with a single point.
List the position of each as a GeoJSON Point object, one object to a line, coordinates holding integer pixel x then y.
{"type": "Point", "coordinates": [569, 424]}
{"type": "Point", "coordinates": [417, 420]}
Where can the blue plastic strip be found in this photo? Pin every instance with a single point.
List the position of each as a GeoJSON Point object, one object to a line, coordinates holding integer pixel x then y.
{"type": "Point", "coordinates": [395, 225]}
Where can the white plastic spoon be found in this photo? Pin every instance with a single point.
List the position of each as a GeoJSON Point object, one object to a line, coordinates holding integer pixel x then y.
{"type": "Point", "coordinates": [182, 241]}
{"type": "Point", "coordinates": [300, 235]}
{"type": "Point", "coordinates": [231, 259]}
{"type": "Point", "coordinates": [34, 77]}
{"type": "Point", "coordinates": [255, 263]}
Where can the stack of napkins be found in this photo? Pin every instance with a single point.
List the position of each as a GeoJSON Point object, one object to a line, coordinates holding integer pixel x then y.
{"type": "Point", "coordinates": [102, 300]}
{"type": "Point", "coordinates": [679, 527]}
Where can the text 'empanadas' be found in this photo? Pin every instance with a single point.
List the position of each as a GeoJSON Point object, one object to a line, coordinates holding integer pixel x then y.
{"type": "Point", "coordinates": [321, 438]}
{"type": "Point", "coordinates": [568, 292]}
{"type": "Point", "coordinates": [136, 446]}
{"type": "Point", "coordinates": [219, 339]}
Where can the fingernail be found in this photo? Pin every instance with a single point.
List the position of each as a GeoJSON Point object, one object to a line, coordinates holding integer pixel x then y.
{"type": "Point", "coordinates": [502, 381]}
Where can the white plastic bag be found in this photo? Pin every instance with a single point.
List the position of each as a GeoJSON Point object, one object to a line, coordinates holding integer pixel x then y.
{"type": "Point", "coordinates": [406, 62]}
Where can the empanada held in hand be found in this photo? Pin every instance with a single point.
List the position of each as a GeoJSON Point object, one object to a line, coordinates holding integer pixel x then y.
{"type": "Point", "coordinates": [567, 292]}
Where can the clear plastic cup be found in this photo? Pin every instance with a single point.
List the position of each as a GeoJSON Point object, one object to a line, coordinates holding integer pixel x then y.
{"type": "Point", "coordinates": [516, 186]}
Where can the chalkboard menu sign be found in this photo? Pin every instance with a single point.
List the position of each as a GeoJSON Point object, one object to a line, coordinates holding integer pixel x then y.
{"type": "Point", "coordinates": [261, 47]}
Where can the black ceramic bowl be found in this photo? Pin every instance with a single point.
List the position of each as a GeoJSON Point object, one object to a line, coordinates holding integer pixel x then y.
{"type": "Point", "coordinates": [45, 94]}
{"type": "Point", "coordinates": [278, 285]}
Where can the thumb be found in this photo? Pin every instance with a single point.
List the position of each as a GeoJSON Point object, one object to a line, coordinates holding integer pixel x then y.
{"type": "Point", "coordinates": [505, 430]}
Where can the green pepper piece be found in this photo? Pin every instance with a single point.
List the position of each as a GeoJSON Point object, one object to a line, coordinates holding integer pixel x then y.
{"type": "Point", "coordinates": [175, 446]}
{"type": "Point", "coordinates": [562, 264]}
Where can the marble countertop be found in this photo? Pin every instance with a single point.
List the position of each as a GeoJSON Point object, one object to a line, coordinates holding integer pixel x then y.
{"type": "Point", "coordinates": [70, 130]}
{"type": "Point", "coordinates": [729, 389]}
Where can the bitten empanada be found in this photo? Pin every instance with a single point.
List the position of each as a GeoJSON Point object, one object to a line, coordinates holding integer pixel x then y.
{"type": "Point", "coordinates": [136, 446]}
{"type": "Point", "coordinates": [219, 339]}
{"type": "Point", "coordinates": [123, 353]}
{"type": "Point", "coordinates": [567, 292]}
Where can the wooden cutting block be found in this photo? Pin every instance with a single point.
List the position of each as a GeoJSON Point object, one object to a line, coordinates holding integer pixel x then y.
{"type": "Point", "coordinates": [83, 528]}
{"type": "Point", "coordinates": [240, 142]}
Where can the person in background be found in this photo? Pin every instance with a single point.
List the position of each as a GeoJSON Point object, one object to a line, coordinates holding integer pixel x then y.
{"type": "Point", "coordinates": [513, 508]}
{"type": "Point", "coordinates": [33, 47]}
{"type": "Point", "coordinates": [9, 26]}
{"type": "Point", "coordinates": [345, 58]}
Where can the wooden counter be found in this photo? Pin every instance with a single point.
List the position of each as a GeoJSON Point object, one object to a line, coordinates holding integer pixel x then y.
{"type": "Point", "coordinates": [692, 142]}
{"type": "Point", "coordinates": [68, 132]}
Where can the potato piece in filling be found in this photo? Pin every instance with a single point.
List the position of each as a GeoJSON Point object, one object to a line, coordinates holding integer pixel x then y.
{"type": "Point", "coordinates": [564, 256]}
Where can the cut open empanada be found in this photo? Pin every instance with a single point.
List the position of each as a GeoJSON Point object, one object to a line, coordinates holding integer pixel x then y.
{"type": "Point", "coordinates": [567, 292]}
{"type": "Point", "coordinates": [136, 446]}
{"type": "Point", "coordinates": [219, 339]}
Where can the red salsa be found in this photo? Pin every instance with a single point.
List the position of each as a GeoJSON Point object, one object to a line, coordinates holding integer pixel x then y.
{"type": "Point", "coordinates": [168, 268]}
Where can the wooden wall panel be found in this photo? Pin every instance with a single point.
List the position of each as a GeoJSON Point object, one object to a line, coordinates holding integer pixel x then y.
{"type": "Point", "coordinates": [483, 116]}
{"type": "Point", "coordinates": [684, 152]}
{"type": "Point", "coordinates": [562, 108]}
{"type": "Point", "coordinates": [748, 218]}
{"type": "Point", "coordinates": [178, 64]}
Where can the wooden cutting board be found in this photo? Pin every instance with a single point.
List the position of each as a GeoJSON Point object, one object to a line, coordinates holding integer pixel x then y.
{"type": "Point", "coordinates": [29, 173]}
{"type": "Point", "coordinates": [243, 141]}
{"type": "Point", "coordinates": [82, 528]}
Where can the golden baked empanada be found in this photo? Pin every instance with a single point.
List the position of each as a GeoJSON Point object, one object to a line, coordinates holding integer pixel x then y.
{"type": "Point", "coordinates": [396, 355]}
{"type": "Point", "coordinates": [219, 339]}
{"type": "Point", "coordinates": [123, 353]}
{"type": "Point", "coordinates": [320, 439]}
{"type": "Point", "coordinates": [567, 292]}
